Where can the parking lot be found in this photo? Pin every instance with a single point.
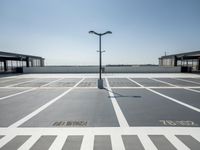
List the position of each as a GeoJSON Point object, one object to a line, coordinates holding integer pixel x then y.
{"type": "Point", "coordinates": [68, 111]}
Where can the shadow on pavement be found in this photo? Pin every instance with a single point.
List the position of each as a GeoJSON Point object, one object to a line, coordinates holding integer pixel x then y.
{"type": "Point", "coordinates": [117, 95]}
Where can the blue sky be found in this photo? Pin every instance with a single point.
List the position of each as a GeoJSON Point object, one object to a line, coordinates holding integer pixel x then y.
{"type": "Point", "coordinates": [58, 29]}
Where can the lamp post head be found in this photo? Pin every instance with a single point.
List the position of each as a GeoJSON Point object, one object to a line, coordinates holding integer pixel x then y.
{"type": "Point", "coordinates": [93, 32]}
{"type": "Point", "coordinates": [108, 32]}
{"type": "Point", "coordinates": [100, 34]}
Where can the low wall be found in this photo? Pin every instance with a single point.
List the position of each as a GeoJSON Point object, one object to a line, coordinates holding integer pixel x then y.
{"type": "Point", "coordinates": [143, 69]}
{"type": "Point", "coordinates": [61, 69]}
{"type": "Point", "coordinates": [95, 69]}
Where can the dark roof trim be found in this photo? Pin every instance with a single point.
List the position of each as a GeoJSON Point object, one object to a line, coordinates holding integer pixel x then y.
{"type": "Point", "coordinates": [7, 54]}
{"type": "Point", "coordinates": [194, 53]}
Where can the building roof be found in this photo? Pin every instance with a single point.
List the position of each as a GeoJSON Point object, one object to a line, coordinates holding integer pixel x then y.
{"type": "Point", "coordinates": [194, 53]}
{"type": "Point", "coordinates": [8, 54]}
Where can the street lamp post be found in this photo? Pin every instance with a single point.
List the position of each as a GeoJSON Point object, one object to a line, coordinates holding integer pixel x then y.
{"type": "Point", "coordinates": [100, 81]}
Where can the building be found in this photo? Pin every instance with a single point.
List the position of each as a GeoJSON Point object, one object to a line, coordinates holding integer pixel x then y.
{"type": "Point", "coordinates": [188, 61]}
{"type": "Point", "coordinates": [12, 62]}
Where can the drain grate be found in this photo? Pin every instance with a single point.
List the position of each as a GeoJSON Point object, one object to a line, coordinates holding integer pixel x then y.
{"type": "Point", "coordinates": [75, 123]}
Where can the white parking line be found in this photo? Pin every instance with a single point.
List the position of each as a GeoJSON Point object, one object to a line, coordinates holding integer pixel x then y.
{"type": "Point", "coordinates": [163, 82]}
{"type": "Point", "coordinates": [7, 80]}
{"type": "Point", "coordinates": [52, 82]}
{"type": "Point", "coordinates": [5, 97]}
{"type": "Point", "coordinates": [186, 81]}
{"type": "Point", "coordinates": [176, 142]}
{"type": "Point", "coordinates": [26, 118]}
{"type": "Point", "coordinates": [89, 133]}
{"type": "Point", "coordinates": [193, 90]}
{"type": "Point", "coordinates": [87, 143]}
{"type": "Point", "coordinates": [58, 143]}
{"type": "Point", "coordinates": [20, 83]}
{"type": "Point", "coordinates": [186, 88]}
{"type": "Point", "coordinates": [158, 87]}
{"type": "Point", "coordinates": [175, 100]}
{"type": "Point", "coordinates": [146, 142]}
{"type": "Point", "coordinates": [120, 116]}
{"type": "Point", "coordinates": [136, 82]}
{"type": "Point", "coordinates": [29, 143]}
{"type": "Point", "coordinates": [113, 87]}
{"type": "Point", "coordinates": [6, 139]}
{"type": "Point", "coordinates": [170, 98]}
{"type": "Point", "coordinates": [117, 142]}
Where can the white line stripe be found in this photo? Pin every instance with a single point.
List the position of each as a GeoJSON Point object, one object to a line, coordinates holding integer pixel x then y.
{"type": "Point", "coordinates": [26, 118]}
{"type": "Point", "coordinates": [52, 82]}
{"type": "Point", "coordinates": [163, 82]}
{"type": "Point", "coordinates": [117, 143]}
{"type": "Point", "coordinates": [146, 142]}
{"type": "Point", "coordinates": [175, 100]}
{"type": "Point", "coordinates": [172, 99]}
{"type": "Point", "coordinates": [113, 87]}
{"type": "Point", "coordinates": [29, 143]}
{"type": "Point", "coordinates": [88, 142]}
{"type": "Point", "coordinates": [86, 87]}
{"type": "Point", "coordinates": [58, 143]}
{"type": "Point", "coordinates": [3, 81]}
{"type": "Point", "coordinates": [120, 116]}
{"type": "Point", "coordinates": [135, 82]}
{"type": "Point", "coordinates": [20, 83]}
{"type": "Point", "coordinates": [186, 88]}
{"type": "Point", "coordinates": [197, 137]}
{"type": "Point", "coordinates": [193, 90]}
{"type": "Point", "coordinates": [102, 131]}
{"type": "Point", "coordinates": [155, 87]}
{"type": "Point", "coordinates": [5, 140]}
{"type": "Point", "coordinates": [176, 142]}
{"type": "Point", "coordinates": [5, 97]}
{"type": "Point", "coordinates": [187, 81]}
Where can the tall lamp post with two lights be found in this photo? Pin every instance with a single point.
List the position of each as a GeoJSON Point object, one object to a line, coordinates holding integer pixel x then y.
{"type": "Point", "coordinates": [100, 81]}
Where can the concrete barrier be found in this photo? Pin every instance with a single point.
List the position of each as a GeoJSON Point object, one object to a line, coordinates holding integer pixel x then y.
{"type": "Point", "coordinates": [107, 69]}
{"type": "Point", "coordinates": [143, 69]}
{"type": "Point", "coordinates": [61, 69]}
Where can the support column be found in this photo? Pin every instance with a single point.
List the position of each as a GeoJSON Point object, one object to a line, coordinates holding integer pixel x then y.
{"type": "Point", "coordinates": [5, 65]}
{"type": "Point", "coordinates": [27, 62]}
{"type": "Point", "coordinates": [32, 63]}
{"type": "Point", "coordinates": [175, 61]}
{"type": "Point", "coordinates": [41, 62]}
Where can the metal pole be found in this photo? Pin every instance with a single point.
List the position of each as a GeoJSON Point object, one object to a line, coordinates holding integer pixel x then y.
{"type": "Point", "coordinates": [100, 81]}
{"type": "Point", "coordinates": [100, 57]}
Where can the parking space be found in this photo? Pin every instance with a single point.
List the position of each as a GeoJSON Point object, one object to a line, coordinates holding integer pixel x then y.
{"type": "Point", "coordinates": [64, 82]}
{"type": "Point", "coordinates": [15, 81]}
{"type": "Point", "coordinates": [196, 89]}
{"type": "Point", "coordinates": [196, 80]}
{"type": "Point", "coordinates": [91, 107]}
{"type": "Point", "coordinates": [144, 108]}
{"type": "Point", "coordinates": [58, 111]}
{"type": "Point", "coordinates": [183, 95]}
{"type": "Point", "coordinates": [6, 79]}
{"type": "Point", "coordinates": [36, 82]}
{"type": "Point", "coordinates": [177, 82]}
{"type": "Point", "coordinates": [14, 108]}
{"type": "Point", "coordinates": [150, 82]}
{"type": "Point", "coordinates": [90, 82]}
{"type": "Point", "coordinates": [7, 91]}
{"type": "Point", "coordinates": [121, 82]}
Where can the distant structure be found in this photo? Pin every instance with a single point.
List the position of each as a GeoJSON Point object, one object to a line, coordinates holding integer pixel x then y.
{"type": "Point", "coordinates": [13, 62]}
{"type": "Point", "coordinates": [189, 61]}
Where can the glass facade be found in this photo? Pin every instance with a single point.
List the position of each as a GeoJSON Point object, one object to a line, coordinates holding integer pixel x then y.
{"type": "Point", "coordinates": [11, 62]}
{"type": "Point", "coordinates": [193, 63]}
